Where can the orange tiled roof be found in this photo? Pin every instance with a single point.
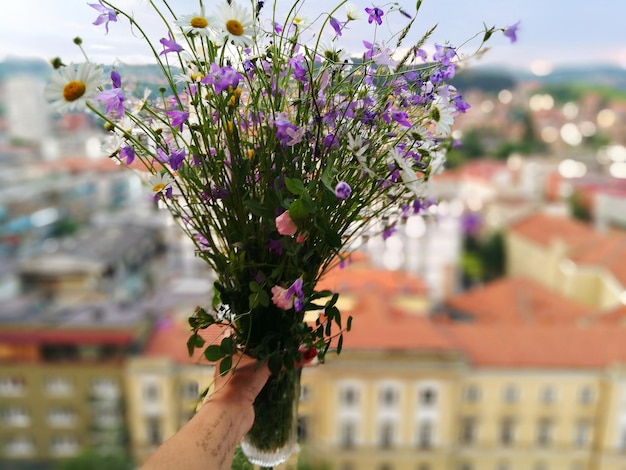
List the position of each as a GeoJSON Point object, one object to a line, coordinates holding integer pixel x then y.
{"type": "Point", "coordinates": [515, 301]}
{"type": "Point", "coordinates": [544, 229]}
{"type": "Point", "coordinates": [607, 252]}
{"type": "Point", "coordinates": [540, 346]}
{"type": "Point", "coordinates": [169, 340]}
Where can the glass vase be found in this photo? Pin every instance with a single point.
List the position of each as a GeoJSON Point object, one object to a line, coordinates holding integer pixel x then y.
{"type": "Point", "coordinates": [273, 436]}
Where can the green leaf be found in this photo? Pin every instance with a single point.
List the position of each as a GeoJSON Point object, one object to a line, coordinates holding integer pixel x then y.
{"type": "Point", "coordinates": [256, 207]}
{"type": "Point", "coordinates": [340, 344]}
{"type": "Point", "coordinates": [298, 210]}
{"type": "Point", "coordinates": [194, 341]}
{"type": "Point", "coordinates": [228, 345]}
{"type": "Point", "coordinates": [349, 325]}
{"type": "Point", "coordinates": [214, 353]}
{"type": "Point", "coordinates": [295, 186]}
{"type": "Point", "coordinates": [254, 286]}
{"type": "Point", "coordinates": [226, 364]}
{"type": "Point", "coordinates": [275, 363]}
{"type": "Point", "coordinates": [288, 362]}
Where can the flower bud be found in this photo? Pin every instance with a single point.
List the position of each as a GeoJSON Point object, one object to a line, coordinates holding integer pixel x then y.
{"type": "Point", "coordinates": [78, 41]}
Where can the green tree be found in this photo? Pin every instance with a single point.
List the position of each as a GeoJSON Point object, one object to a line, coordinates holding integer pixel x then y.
{"type": "Point", "coordinates": [93, 460]}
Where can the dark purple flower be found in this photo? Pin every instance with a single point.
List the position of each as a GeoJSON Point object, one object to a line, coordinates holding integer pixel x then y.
{"type": "Point", "coordinates": [275, 246]}
{"type": "Point", "coordinates": [295, 291]}
{"type": "Point", "coordinates": [299, 71]}
{"type": "Point", "coordinates": [116, 80]}
{"type": "Point", "coordinates": [178, 118]}
{"type": "Point", "coordinates": [401, 118]}
{"type": "Point", "coordinates": [511, 32]}
{"type": "Point", "coordinates": [127, 154]}
{"type": "Point", "coordinates": [389, 231]}
{"type": "Point", "coordinates": [375, 14]}
{"type": "Point", "coordinates": [169, 45]}
{"type": "Point", "coordinates": [343, 190]}
{"type": "Point", "coordinates": [106, 15]}
{"type": "Point", "coordinates": [176, 159]}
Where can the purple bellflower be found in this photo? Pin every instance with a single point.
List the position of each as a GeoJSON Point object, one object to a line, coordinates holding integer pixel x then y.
{"type": "Point", "coordinates": [511, 32]}
{"type": "Point", "coordinates": [106, 15]}
{"type": "Point", "coordinates": [169, 45]}
{"type": "Point", "coordinates": [375, 14]}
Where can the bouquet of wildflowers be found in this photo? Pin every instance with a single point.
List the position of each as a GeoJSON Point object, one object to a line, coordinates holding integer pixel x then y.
{"type": "Point", "coordinates": [276, 147]}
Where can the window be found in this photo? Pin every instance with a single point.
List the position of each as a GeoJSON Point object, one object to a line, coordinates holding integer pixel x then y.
{"type": "Point", "coordinates": [586, 395]}
{"type": "Point", "coordinates": [468, 430]}
{"type": "Point", "coordinates": [425, 434]}
{"type": "Point", "coordinates": [507, 426]}
{"type": "Point", "coordinates": [190, 390]}
{"type": "Point", "coordinates": [472, 394]}
{"type": "Point", "coordinates": [19, 446]}
{"type": "Point", "coordinates": [347, 434]}
{"type": "Point", "coordinates": [428, 397]}
{"type": "Point", "coordinates": [59, 386]}
{"type": "Point", "coordinates": [349, 396]}
{"type": "Point", "coordinates": [386, 432]}
{"type": "Point", "coordinates": [544, 432]}
{"type": "Point", "coordinates": [581, 433]}
{"type": "Point", "coordinates": [12, 386]}
{"type": "Point", "coordinates": [510, 394]}
{"type": "Point", "coordinates": [105, 388]}
{"type": "Point", "coordinates": [388, 396]}
{"type": "Point", "coordinates": [16, 416]}
{"type": "Point", "coordinates": [64, 446]}
{"type": "Point", "coordinates": [303, 429]}
{"type": "Point", "coordinates": [61, 417]}
{"type": "Point", "coordinates": [547, 395]}
{"type": "Point", "coordinates": [153, 431]}
{"type": "Point", "coordinates": [150, 391]}
{"type": "Point", "coordinates": [305, 393]}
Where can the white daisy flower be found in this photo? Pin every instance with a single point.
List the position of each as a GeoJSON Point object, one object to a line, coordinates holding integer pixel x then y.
{"type": "Point", "coordinates": [442, 116]}
{"type": "Point", "coordinates": [112, 144]}
{"type": "Point", "coordinates": [73, 86]}
{"type": "Point", "coordinates": [353, 12]}
{"type": "Point", "coordinates": [331, 52]}
{"type": "Point", "coordinates": [196, 24]}
{"type": "Point", "coordinates": [159, 182]}
{"type": "Point", "coordinates": [407, 173]}
{"type": "Point", "coordinates": [236, 24]}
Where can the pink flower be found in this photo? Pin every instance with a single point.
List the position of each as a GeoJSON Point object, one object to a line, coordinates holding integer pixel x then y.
{"type": "Point", "coordinates": [285, 225]}
{"type": "Point", "coordinates": [282, 298]}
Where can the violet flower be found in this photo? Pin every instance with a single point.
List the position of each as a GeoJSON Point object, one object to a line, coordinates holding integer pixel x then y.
{"type": "Point", "coordinates": [511, 32]}
{"type": "Point", "coordinates": [343, 190]}
{"type": "Point", "coordinates": [106, 15]}
{"type": "Point", "coordinates": [375, 14]}
{"type": "Point", "coordinates": [169, 45]}
{"type": "Point", "coordinates": [178, 118]}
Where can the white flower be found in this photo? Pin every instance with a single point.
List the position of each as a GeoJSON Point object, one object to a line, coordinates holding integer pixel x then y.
{"type": "Point", "coordinates": [358, 148]}
{"type": "Point", "coordinates": [442, 116]}
{"type": "Point", "coordinates": [160, 182]}
{"type": "Point", "coordinates": [199, 24]}
{"type": "Point", "coordinates": [408, 174]}
{"type": "Point", "coordinates": [72, 87]}
{"type": "Point", "coordinates": [112, 144]}
{"type": "Point", "coordinates": [236, 24]}
{"type": "Point", "coordinates": [332, 53]}
{"type": "Point", "coordinates": [353, 12]}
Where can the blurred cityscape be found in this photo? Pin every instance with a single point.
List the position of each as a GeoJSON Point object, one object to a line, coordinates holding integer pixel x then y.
{"type": "Point", "coordinates": [489, 331]}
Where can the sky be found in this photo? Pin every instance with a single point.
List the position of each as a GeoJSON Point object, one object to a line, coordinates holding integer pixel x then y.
{"type": "Point", "coordinates": [551, 32]}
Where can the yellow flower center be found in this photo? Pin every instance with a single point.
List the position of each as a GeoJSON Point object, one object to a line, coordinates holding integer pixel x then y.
{"type": "Point", "coordinates": [73, 90]}
{"type": "Point", "coordinates": [199, 22]}
{"type": "Point", "coordinates": [196, 77]}
{"type": "Point", "coordinates": [250, 154]}
{"type": "Point", "coordinates": [234, 27]}
{"type": "Point", "coordinates": [158, 187]}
